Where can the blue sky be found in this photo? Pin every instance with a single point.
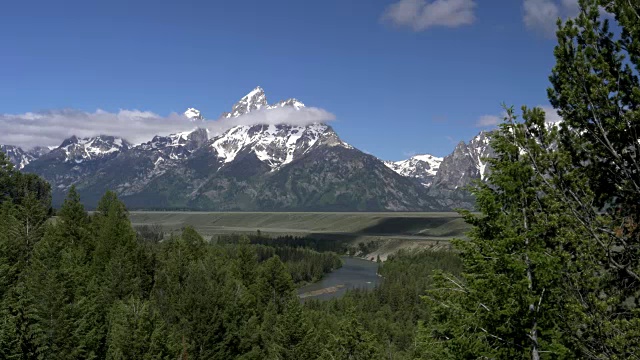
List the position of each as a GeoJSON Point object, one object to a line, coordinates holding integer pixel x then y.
{"type": "Point", "coordinates": [401, 76]}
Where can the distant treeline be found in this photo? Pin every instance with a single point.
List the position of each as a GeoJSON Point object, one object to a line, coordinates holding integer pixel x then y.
{"type": "Point", "coordinates": [340, 246]}
{"type": "Point", "coordinates": [309, 242]}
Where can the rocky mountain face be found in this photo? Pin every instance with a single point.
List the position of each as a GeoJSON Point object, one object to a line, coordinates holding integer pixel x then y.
{"type": "Point", "coordinates": [421, 168]}
{"type": "Point", "coordinates": [255, 100]}
{"type": "Point", "coordinates": [21, 158]}
{"type": "Point", "coordinates": [256, 167]}
{"type": "Point", "coordinates": [459, 169]}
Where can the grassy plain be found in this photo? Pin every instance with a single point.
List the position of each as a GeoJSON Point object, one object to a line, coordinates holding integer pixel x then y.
{"type": "Point", "coordinates": [392, 230]}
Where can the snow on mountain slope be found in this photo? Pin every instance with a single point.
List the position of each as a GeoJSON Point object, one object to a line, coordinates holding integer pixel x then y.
{"type": "Point", "coordinates": [20, 157]}
{"type": "Point", "coordinates": [295, 103]}
{"type": "Point", "coordinates": [255, 100]}
{"type": "Point", "coordinates": [177, 146]}
{"type": "Point", "coordinates": [275, 145]}
{"type": "Point", "coordinates": [420, 167]}
{"type": "Point", "coordinates": [82, 149]}
{"type": "Point", "coordinates": [479, 149]}
{"type": "Point", "coordinates": [467, 163]}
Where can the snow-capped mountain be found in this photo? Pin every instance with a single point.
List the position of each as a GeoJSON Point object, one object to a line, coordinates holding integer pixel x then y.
{"type": "Point", "coordinates": [94, 148]}
{"type": "Point", "coordinates": [175, 146]}
{"type": "Point", "coordinates": [466, 163]}
{"type": "Point", "coordinates": [256, 167]}
{"type": "Point", "coordinates": [295, 103]}
{"type": "Point", "coordinates": [422, 168]}
{"type": "Point", "coordinates": [255, 100]}
{"type": "Point", "coordinates": [274, 145]}
{"type": "Point", "coordinates": [21, 158]}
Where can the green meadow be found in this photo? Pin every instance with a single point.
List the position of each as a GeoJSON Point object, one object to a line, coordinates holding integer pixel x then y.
{"type": "Point", "coordinates": [391, 231]}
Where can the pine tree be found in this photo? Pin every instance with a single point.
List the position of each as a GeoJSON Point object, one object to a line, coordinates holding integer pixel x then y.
{"type": "Point", "coordinates": [114, 273]}
{"type": "Point", "coordinates": [596, 91]}
{"type": "Point", "coordinates": [74, 221]}
{"type": "Point", "coordinates": [49, 295]}
{"type": "Point", "coordinates": [275, 284]}
{"type": "Point", "coordinates": [193, 242]}
{"type": "Point", "coordinates": [246, 263]}
{"type": "Point", "coordinates": [552, 266]}
{"type": "Point", "coordinates": [510, 300]}
{"type": "Point", "coordinates": [136, 332]}
{"type": "Point", "coordinates": [352, 341]}
{"type": "Point", "coordinates": [7, 176]}
{"type": "Point", "coordinates": [293, 336]}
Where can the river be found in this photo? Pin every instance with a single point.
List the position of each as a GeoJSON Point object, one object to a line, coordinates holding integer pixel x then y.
{"type": "Point", "coordinates": [354, 273]}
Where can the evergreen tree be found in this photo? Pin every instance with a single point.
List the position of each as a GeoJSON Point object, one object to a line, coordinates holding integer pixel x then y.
{"type": "Point", "coordinates": [136, 332]}
{"type": "Point", "coordinates": [596, 91]}
{"type": "Point", "coordinates": [294, 337]}
{"type": "Point", "coordinates": [275, 284]}
{"type": "Point", "coordinates": [352, 341]}
{"type": "Point", "coordinates": [558, 233]}
{"type": "Point", "coordinates": [74, 221]}
{"type": "Point", "coordinates": [115, 273]}
{"type": "Point", "coordinates": [510, 301]}
{"type": "Point", "coordinates": [49, 295]}
{"type": "Point", "coordinates": [246, 263]}
{"type": "Point", "coordinates": [7, 175]}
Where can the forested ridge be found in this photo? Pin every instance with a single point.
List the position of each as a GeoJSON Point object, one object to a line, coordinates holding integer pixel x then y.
{"type": "Point", "coordinates": [551, 269]}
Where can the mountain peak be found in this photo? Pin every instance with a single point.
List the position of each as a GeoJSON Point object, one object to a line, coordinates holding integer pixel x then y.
{"type": "Point", "coordinates": [254, 100]}
{"type": "Point", "coordinates": [422, 168]}
{"type": "Point", "coordinates": [255, 92]}
{"type": "Point", "coordinates": [19, 157]}
{"type": "Point", "coordinates": [293, 102]}
{"type": "Point", "coordinates": [79, 149]}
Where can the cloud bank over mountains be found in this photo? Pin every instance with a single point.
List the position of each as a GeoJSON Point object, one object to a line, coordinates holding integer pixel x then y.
{"type": "Point", "coordinates": [50, 128]}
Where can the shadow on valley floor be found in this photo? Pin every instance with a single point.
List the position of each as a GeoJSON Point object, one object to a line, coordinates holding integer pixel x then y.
{"type": "Point", "coordinates": [371, 234]}
{"type": "Point", "coordinates": [417, 226]}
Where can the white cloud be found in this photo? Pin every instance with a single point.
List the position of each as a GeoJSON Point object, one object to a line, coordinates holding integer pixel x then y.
{"type": "Point", "coordinates": [541, 15]}
{"type": "Point", "coordinates": [488, 121]}
{"type": "Point", "coordinates": [50, 128]}
{"type": "Point", "coordinates": [572, 7]}
{"type": "Point", "coordinates": [551, 115]}
{"type": "Point", "coordinates": [422, 14]}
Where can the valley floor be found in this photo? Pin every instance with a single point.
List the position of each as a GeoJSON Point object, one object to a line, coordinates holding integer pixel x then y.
{"type": "Point", "coordinates": [387, 232]}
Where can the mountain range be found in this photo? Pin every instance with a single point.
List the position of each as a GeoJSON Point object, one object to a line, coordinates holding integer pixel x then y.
{"type": "Point", "coordinates": [255, 168]}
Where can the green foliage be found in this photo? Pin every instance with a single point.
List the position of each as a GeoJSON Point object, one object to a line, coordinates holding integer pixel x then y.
{"type": "Point", "coordinates": [294, 335]}
{"type": "Point", "coordinates": [274, 284]}
{"type": "Point", "coordinates": [352, 341]}
{"type": "Point", "coordinates": [136, 332]}
{"type": "Point", "coordinates": [551, 268]}
{"type": "Point", "coordinates": [388, 314]}
{"type": "Point", "coordinates": [506, 303]}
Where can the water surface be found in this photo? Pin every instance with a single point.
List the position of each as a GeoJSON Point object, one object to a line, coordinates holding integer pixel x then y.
{"type": "Point", "coordinates": [354, 273]}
